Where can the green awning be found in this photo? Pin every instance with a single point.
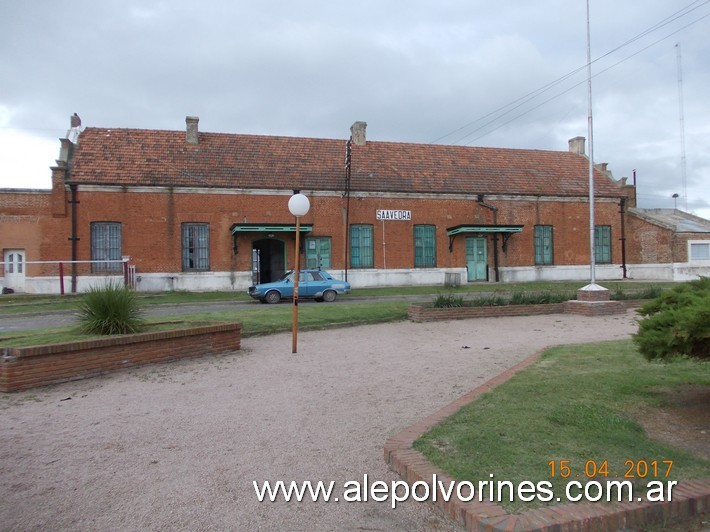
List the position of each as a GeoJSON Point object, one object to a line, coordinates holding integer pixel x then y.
{"type": "Point", "coordinates": [269, 228]}
{"type": "Point", "coordinates": [483, 229]}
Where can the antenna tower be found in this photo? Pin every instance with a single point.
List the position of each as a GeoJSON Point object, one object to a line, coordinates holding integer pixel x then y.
{"type": "Point", "coordinates": [683, 173]}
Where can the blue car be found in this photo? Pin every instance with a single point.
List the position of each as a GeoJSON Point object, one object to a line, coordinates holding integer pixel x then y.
{"type": "Point", "coordinates": [312, 284]}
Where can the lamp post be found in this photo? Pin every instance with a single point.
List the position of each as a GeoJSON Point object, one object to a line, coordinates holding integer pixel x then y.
{"type": "Point", "coordinates": [298, 205]}
{"type": "Point", "coordinates": [675, 201]}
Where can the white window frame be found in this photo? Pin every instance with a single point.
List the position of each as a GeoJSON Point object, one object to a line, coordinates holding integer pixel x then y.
{"type": "Point", "coordinates": [704, 243]}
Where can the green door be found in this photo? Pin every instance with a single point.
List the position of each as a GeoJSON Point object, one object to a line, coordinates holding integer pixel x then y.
{"type": "Point", "coordinates": [476, 259]}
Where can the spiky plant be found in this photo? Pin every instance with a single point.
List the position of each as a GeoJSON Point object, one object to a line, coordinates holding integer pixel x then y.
{"type": "Point", "coordinates": [110, 309]}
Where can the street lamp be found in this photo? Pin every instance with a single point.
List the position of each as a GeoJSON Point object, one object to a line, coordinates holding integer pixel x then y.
{"type": "Point", "coordinates": [675, 201]}
{"type": "Point", "coordinates": [298, 205]}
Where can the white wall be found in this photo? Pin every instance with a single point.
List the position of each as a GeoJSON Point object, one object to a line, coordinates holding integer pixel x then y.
{"type": "Point", "coordinates": [404, 277]}
{"type": "Point", "coordinates": [240, 281]}
{"type": "Point", "coordinates": [559, 273]}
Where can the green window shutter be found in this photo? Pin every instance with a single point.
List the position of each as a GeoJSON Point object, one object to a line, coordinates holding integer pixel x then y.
{"type": "Point", "coordinates": [543, 244]}
{"type": "Point", "coordinates": [361, 252]}
{"type": "Point", "coordinates": [424, 246]}
{"type": "Point", "coordinates": [602, 244]}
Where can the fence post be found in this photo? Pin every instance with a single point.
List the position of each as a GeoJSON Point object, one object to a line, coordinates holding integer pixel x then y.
{"type": "Point", "coordinates": [61, 278]}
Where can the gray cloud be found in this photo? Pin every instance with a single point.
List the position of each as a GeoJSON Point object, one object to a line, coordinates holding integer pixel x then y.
{"type": "Point", "coordinates": [415, 72]}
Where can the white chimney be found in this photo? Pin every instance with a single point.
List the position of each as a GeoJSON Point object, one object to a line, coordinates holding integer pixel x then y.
{"type": "Point", "coordinates": [357, 132]}
{"type": "Point", "coordinates": [191, 134]}
{"type": "Point", "coordinates": [576, 145]}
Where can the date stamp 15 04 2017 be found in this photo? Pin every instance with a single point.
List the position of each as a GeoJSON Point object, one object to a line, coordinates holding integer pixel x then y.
{"type": "Point", "coordinates": [600, 468]}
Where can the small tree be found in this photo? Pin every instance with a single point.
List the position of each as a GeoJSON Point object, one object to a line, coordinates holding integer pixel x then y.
{"type": "Point", "coordinates": [677, 323]}
{"type": "Point", "coordinates": [110, 309]}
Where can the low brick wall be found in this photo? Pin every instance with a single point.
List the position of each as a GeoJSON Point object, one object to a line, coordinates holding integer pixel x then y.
{"type": "Point", "coordinates": [421, 313]}
{"type": "Point", "coordinates": [691, 498]}
{"type": "Point", "coordinates": [595, 308]}
{"type": "Point", "coordinates": [28, 367]}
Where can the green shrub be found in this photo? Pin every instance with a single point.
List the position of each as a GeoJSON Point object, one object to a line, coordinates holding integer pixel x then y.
{"type": "Point", "coordinates": [110, 309]}
{"type": "Point", "coordinates": [540, 298]}
{"type": "Point", "coordinates": [677, 323]}
{"type": "Point", "coordinates": [521, 298]}
{"type": "Point", "coordinates": [492, 300]}
{"type": "Point", "coordinates": [448, 301]}
{"type": "Point", "coordinates": [649, 292]}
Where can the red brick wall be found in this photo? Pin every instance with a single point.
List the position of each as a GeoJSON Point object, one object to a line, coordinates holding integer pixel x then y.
{"type": "Point", "coordinates": [151, 225]}
{"type": "Point", "coordinates": [28, 367]}
{"type": "Point", "coordinates": [680, 244]}
{"type": "Point", "coordinates": [22, 218]}
{"type": "Point", "coordinates": [647, 243]}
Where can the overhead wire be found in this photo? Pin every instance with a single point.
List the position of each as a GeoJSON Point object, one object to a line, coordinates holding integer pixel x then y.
{"type": "Point", "coordinates": [523, 100]}
{"type": "Point", "coordinates": [572, 87]}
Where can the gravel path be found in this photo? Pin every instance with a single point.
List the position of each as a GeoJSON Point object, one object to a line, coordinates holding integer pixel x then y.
{"type": "Point", "coordinates": [177, 446]}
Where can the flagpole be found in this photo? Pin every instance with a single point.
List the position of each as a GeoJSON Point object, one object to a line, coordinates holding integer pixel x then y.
{"type": "Point", "coordinates": [590, 133]}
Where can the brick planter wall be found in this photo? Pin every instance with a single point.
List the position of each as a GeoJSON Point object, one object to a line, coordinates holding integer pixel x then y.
{"type": "Point", "coordinates": [691, 498]}
{"type": "Point", "coordinates": [28, 367]}
{"type": "Point", "coordinates": [421, 313]}
{"type": "Point", "coordinates": [595, 308]}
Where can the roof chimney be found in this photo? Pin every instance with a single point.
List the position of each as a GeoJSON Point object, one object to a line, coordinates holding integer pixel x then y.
{"type": "Point", "coordinates": [357, 132]}
{"type": "Point", "coordinates": [191, 135]}
{"type": "Point", "coordinates": [74, 125]}
{"type": "Point", "coordinates": [576, 145]}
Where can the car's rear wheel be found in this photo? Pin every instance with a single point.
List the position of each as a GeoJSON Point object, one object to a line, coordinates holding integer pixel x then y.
{"type": "Point", "coordinates": [272, 297]}
{"type": "Point", "coordinates": [329, 296]}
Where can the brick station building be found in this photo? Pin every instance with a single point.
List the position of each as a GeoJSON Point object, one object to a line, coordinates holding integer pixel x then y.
{"type": "Point", "coordinates": [208, 211]}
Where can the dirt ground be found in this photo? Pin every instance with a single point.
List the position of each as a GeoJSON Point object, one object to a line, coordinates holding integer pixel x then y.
{"type": "Point", "coordinates": [178, 446]}
{"type": "Point", "coordinates": [684, 422]}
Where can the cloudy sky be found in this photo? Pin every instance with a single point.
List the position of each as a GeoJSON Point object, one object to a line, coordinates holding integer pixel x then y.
{"type": "Point", "coordinates": [471, 72]}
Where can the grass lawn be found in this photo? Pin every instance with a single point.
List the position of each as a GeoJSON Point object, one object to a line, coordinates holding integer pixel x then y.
{"type": "Point", "coordinates": [265, 319]}
{"type": "Point", "coordinates": [24, 303]}
{"type": "Point", "coordinates": [56, 335]}
{"type": "Point", "coordinates": [578, 404]}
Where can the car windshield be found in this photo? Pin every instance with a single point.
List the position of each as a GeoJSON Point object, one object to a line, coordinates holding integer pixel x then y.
{"type": "Point", "coordinates": [288, 276]}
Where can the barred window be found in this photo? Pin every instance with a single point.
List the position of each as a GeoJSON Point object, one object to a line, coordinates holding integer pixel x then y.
{"type": "Point", "coordinates": [195, 247]}
{"type": "Point", "coordinates": [106, 246]}
{"type": "Point", "coordinates": [602, 244]}
{"type": "Point", "coordinates": [361, 246]}
{"type": "Point", "coordinates": [543, 244]}
{"type": "Point", "coordinates": [424, 246]}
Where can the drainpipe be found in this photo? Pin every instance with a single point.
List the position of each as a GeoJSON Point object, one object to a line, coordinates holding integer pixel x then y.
{"type": "Point", "coordinates": [495, 235]}
{"type": "Point", "coordinates": [348, 163]}
{"type": "Point", "coordinates": [622, 205]}
{"type": "Point", "coordinates": [74, 239]}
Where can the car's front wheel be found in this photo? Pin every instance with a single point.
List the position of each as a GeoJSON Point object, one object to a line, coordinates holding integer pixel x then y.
{"type": "Point", "coordinates": [272, 297]}
{"type": "Point", "coordinates": [329, 296]}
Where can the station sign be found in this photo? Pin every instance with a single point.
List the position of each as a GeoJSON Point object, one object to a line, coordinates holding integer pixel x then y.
{"type": "Point", "coordinates": [383, 214]}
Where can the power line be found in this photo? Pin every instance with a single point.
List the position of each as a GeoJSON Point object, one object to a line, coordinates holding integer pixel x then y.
{"type": "Point", "coordinates": [568, 89]}
{"type": "Point", "coordinates": [523, 100]}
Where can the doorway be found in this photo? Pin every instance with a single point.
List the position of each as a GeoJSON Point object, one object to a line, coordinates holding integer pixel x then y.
{"type": "Point", "coordinates": [15, 269]}
{"type": "Point", "coordinates": [477, 258]}
{"type": "Point", "coordinates": [268, 260]}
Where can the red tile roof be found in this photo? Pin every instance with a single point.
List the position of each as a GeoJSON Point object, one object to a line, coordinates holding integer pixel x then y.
{"type": "Point", "coordinates": [155, 157]}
